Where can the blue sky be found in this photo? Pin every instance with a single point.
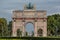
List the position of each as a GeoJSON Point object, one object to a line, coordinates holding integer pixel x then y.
{"type": "Point", "coordinates": [7, 6]}
{"type": "Point", "coordinates": [29, 27]}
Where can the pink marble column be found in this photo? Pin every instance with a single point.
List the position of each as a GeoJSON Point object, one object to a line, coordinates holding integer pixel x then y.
{"type": "Point", "coordinates": [14, 34]}
{"type": "Point", "coordinates": [35, 30]}
{"type": "Point", "coordinates": [45, 30]}
{"type": "Point", "coordinates": [23, 31]}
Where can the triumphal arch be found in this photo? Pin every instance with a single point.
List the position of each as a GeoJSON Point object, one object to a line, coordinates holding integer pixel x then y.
{"type": "Point", "coordinates": [29, 15]}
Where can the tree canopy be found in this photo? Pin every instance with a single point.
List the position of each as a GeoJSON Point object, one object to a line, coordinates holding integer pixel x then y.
{"type": "Point", "coordinates": [53, 24]}
{"type": "Point", "coordinates": [3, 27]}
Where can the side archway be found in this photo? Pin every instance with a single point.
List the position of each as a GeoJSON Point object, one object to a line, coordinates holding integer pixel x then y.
{"type": "Point", "coordinates": [19, 33]}
{"type": "Point", "coordinates": [40, 32]}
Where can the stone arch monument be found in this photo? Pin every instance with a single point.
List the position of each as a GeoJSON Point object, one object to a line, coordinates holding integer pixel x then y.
{"type": "Point", "coordinates": [29, 14]}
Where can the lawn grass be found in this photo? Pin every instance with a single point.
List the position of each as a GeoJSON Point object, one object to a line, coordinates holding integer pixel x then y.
{"type": "Point", "coordinates": [31, 38]}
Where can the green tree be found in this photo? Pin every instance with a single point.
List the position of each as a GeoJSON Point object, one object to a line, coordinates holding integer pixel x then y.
{"type": "Point", "coordinates": [32, 33]}
{"type": "Point", "coordinates": [3, 27]}
{"type": "Point", "coordinates": [10, 28]}
{"type": "Point", "coordinates": [53, 24]}
{"type": "Point", "coordinates": [26, 34]}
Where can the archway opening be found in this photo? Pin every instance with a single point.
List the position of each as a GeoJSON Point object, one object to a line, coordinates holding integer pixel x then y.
{"type": "Point", "coordinates": [40, 32]}
{"type": "Point", "coordinates": [19, 33]}
{"type": "Point", "coordinates": [29, 29]}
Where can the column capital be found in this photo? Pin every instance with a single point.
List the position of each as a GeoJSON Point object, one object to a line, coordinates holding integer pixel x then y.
{"type": "Point", "coordinates": [23, 20]}
{"type": "Point", "coordinates": [35, 20]}
{"type": "Point", "coordinates": [14, 20]}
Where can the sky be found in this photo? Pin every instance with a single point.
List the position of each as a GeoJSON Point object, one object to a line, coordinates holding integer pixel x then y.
{"type": "Point", "coordinates": [7, 6]}
{"type": "Point", "coordinates": [29, 27]}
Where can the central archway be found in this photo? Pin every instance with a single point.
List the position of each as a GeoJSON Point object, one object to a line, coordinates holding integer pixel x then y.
{"type": "Point", "coordinates": [29, 29]}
